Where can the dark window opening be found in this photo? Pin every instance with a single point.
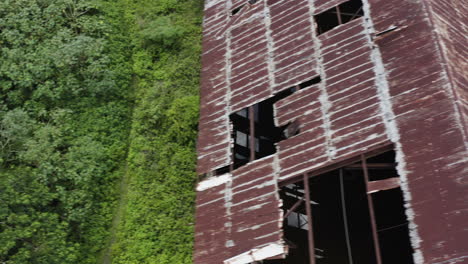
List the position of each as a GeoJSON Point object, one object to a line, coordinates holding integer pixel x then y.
{"type": "Point", "coordinates": [254, 131]}
{"type": "Point", "coordinates": [392, 231]}
{"type": "Point", "coordinates": [380, 167]}
{"type": "Point", "coordinates": [310, 82]}
{"type": "Point", "coordinates": [338, 15]}
{"type": "Point", "coordinates": [326, 21]}
{"type": "Point", "coordinates": [237, 10]}
{"type": "Point", "coordinates": [349, 223]}
{"type": "Point", "coordinates": [222, 170]}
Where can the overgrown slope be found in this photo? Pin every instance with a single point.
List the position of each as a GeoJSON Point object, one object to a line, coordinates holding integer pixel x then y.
{"type": "Point", "coordinates": [157, 226]}
{"type": "Point", "coordinates": [93, 91]}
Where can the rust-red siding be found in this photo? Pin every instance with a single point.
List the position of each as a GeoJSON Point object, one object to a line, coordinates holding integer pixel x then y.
{"type": "Point", "coordinates": [407, 87]}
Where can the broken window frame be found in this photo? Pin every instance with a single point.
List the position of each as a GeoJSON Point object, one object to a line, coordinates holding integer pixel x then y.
{"type": "Point", "coordinates": [258, 145]}
{"type": "Point", "coordinates": [255, 115]}
{"type": "Point", "coordinates": [340, 15]}
{"type": "Point", "coordinates": [288, 130]}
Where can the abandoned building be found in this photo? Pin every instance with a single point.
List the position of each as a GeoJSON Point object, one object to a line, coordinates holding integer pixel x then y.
{"type": "Point", "coordinates": [333, 132]}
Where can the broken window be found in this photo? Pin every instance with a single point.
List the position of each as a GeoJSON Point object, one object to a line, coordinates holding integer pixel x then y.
{"type": "Point", "coordinates": [237, 10]}
{"type": "Point", "coordinates": [338, 15]}
{"type": "Point", "coordinates": [254, 131]}
{"type": "Point", "coordinates": [351, 214]}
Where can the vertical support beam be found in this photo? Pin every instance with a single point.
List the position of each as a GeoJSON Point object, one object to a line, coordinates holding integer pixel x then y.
{"type": "Point", "coordinates": [345, 217]}
{"type": "Point", "coordinates": [310, 232]}
{"type": "Point", "coordinates": [252, 132]}
{"type": "Point", "coordinates": [371, 211]}
{"type": "Point", "coordinates": [338, 14]}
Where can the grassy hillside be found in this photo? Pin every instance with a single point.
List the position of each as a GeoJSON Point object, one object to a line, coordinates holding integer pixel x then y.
{"type": "Point", "coordinates": [157, 223]}
{"type": "Point", "coordinates": [94, 94]}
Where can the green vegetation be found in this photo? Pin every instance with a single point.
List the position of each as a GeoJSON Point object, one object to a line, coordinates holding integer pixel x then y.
{"type": "Point", "coordinates": [157, 224]}
{"type": "Point", "coordinates": [97, 99]}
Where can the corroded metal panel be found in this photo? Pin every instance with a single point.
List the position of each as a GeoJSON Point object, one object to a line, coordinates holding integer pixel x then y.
{"type": "Point", "coordinates": [237, 213]}
{"type": "Point", "coordinates": [256, 208]}
{"type": "Point", "coordinates": [292, 43]}
{"type": "Point", "coordinates": [248, 58]}
{"type": "Point", "coordinates": [431, 138]}
{"type": "Point", "coordinates": [322, 5]}
{"type": "Point", "coordinates": [394, 76]}
{"type": "Point", "coordinates": [343, 113]}
{"type": "Point", "coordinates": [450, 21]}
{"type": "Point", "coordinates": [210, 231]}
{"type": "Point", "coordinates": [213, 151]}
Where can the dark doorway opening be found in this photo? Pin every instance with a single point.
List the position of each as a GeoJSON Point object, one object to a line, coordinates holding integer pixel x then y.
{"type": "Point", "coordinates": [357, 216]}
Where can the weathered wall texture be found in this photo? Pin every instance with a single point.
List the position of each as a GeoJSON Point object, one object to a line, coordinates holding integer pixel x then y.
{"type": "Point", "coordinates": [428, 116]}
{"type": "Point", "coordinates": [405, 87]}
{"type": "Point", "coordinates": [449, 19]}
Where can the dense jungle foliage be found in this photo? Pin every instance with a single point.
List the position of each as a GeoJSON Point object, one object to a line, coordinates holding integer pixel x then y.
{"type": "Point", "coordinates": [98, 115]}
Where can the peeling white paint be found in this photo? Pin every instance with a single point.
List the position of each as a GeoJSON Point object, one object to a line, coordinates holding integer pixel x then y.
{"type": "Point", "coordinates": [300, 153]}
{"type": "Point", "coordinates": [256, 254]}
{"type": "Point", "coordinates": [257, 198]}
{"type": "Point", "coordinates": [254, 207]}
{"type": "Point", "coordinates": [447, 73]}
{"type": "Point", "coordinates": [277, 169]}
{"type": "Point", "coordinates": [210, 202]}
{"type": "Point", "coordinates": [258, 186]}
{"type": "Point", "coordinates": [230, 243]}
{"type": "Point", "coordinates": [393, 133]}
{"type": "Point", "coordinates": [323, 98]}
{"type": "Point", "coordinates": [260, 179]}
{"type": "Point", "coordinates": [454, 260]}
{"type": "Point", "coordinates": [242, 229]}
{"type": "Point", "coordinates": [213, 182]}
{"type": "Point", "coordinates": [228, 216]}
{"type": "Point", "coordinates": [363, 109]}
{"type": "Point", "coordinates": [280, 231]}
{"type": "Point", "coordinates": [305, 170]}
{"type": "Point", "coordinates": [211, 3]}
{"type": "Point", "coordinates": [270, 55]}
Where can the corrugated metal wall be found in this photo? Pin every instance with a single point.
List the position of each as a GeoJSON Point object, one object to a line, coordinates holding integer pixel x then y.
{"type": "Point", "coordinates": [374, 90]}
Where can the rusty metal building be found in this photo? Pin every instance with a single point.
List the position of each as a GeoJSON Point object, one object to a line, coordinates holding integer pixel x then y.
{"type": "Point", "coordinates": [333, 132]}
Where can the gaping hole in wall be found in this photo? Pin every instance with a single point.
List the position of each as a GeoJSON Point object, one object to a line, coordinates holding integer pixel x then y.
{"type": "Point", "coordinates": [237, 10]}
{"type": "Point", "coordinates": [392, 231]}
{"type": "Point", "coordinates": [357, 216]}
{"type": "Point", "coordinates": [326, 21]}
{"type": "Point", "coordinates": [254, 131]}
{"type": "Point", "coordinates": [241, 124]}
{"type": "Point", "coordinates": [222, 170]}
{"type": "Point", "coordinates": [338, 15]}
{"type": "Point", "coordinates": [295, 224]}
{"type": "Point", "coordinates": [350, 10]}
{"type": "Point", "coordinates": [310, 82]}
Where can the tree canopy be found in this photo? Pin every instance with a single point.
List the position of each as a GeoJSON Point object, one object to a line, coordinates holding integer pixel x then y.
{"type": "Point", "coordinates": [93, 93]}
